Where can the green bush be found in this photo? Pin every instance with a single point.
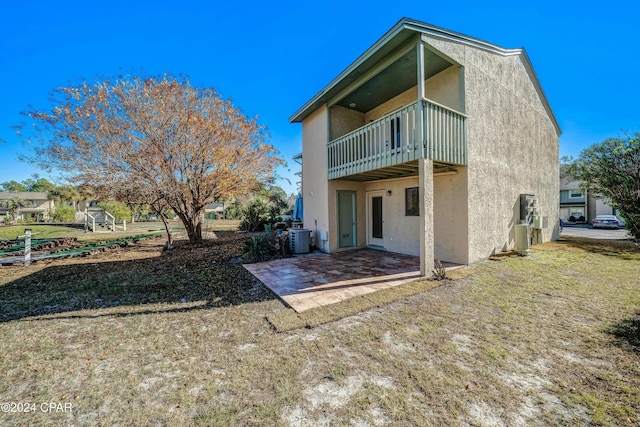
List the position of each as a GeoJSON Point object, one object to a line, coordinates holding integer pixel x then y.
{"type": "Point", "coordinates": [259, 248]}
{"type": "Point", "coordinates": [255, 215]}
{"type": "Point", "coordinates": [63, 213]}
{"type": "Point", "coordinates": [118, 209]}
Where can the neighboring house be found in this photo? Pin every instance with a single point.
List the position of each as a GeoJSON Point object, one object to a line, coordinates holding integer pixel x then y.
{"type": "Point", "coordinates": [424, 145]}
{"type": "Point", "coordinates": [576, 206]}
{"type": "Point", "coordinates": [214, 211]}
{"type": "Point", "coordinates": [37, 206]}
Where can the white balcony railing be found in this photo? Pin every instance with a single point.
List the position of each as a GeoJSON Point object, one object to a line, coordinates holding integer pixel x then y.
{"type": "Point", "coordinates": [397, 138]}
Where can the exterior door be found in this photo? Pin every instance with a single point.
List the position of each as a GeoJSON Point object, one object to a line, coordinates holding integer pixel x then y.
{"type": "Point", "coordinates": [375, 219]}
{"type": "Point", "coordinates": [346, 219]}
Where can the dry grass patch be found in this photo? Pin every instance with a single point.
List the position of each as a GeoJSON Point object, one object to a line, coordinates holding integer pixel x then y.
{"type": "Point", "coordinates": [541, 340]}
{"type": "Point", "coordinates": [287, 320]}
{"type": "Point", "coordinates": [581, 244]}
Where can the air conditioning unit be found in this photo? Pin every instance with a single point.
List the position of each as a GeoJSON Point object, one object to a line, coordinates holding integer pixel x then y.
{"type": "Point", "coordinates": [300, 241]}
{"type": "Point", "coordinates": [522, 239]}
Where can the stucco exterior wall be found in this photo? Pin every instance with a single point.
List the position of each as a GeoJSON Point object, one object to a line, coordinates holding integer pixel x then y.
{"type": "Point", "coordinates": [314, 172]}
{"type": "Point", "coordinates": [406, 97]}
{"type": "Point", "coordinates": [400, 232]}
{"type": "Point", "coordinates": [344, 120]}
{"type": "Point", "coordinates": [512, 147]}
{"type": "Point", "coordinates": [451, 216]}
{"type": "Point", "coordinates": [425, 230]}
{"type": "Point", "coordinates": [444, 88]}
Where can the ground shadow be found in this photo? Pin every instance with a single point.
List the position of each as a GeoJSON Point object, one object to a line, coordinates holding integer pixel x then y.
{"type": "Point", "coordinates": [201, 273]}
{"type": "Point", "coordinates": [627, 332]}
{"type": "Point", "coordinates": [627, 250]}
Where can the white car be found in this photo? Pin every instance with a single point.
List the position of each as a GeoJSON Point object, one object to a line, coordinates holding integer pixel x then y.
{"type": "Point", "coordinates": [605, 221]}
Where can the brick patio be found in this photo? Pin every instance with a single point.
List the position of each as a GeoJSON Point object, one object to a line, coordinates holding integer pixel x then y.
{"type": "Point", "coordinates": [317, 279]}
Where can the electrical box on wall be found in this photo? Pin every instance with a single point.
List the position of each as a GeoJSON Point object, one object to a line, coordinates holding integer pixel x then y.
{"type": "Point", "coordinates": [540, 222]}
{"type": "Point", "coordinates": [528, 204]}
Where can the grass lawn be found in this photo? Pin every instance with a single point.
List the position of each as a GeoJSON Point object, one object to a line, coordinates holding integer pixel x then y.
{"type": "Point", "coordinates": [11, 232]}
{"type": "Point", "coordinates": [52, 231]}
{"type": "Point", "coordinates": [141, 337]}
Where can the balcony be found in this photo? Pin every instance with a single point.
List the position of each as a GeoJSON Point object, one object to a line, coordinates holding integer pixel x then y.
{"type": "Point", "coordinates": [390, 146]}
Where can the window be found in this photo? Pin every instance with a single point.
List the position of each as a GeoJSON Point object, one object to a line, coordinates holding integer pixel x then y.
{"type": "Point", "coordinates": [575, 194]}
{"type": "Point", "coordinates": [411, 202]}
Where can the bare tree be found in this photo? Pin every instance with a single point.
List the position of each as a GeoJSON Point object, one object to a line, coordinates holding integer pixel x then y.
{"type": "Point", "coordinates": [184, 146]}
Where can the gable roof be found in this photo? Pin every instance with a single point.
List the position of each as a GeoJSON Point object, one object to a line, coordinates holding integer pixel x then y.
{"type": "Point", "coordinates": [395, 37]}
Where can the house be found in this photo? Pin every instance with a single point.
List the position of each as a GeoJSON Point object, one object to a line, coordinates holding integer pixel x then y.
{"type": "Point", "coordinates": [424, 146]}
{"type": "Point", "coordinates": [214, 211]}
{"type": "Point", "coordinates": [36, 205]}
{"type": "Point", "coordinates": [578, 206]}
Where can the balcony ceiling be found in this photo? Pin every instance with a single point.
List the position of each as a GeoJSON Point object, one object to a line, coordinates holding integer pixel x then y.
{"type": "Point", "coordinates": [392, 81]}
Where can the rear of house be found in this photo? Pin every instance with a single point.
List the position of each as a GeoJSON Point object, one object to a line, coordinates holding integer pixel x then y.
{"type": "Point", "coordinates": [424, 145]}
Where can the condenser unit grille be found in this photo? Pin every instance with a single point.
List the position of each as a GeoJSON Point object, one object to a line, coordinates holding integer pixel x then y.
{"type": "Point", "coordinates": [300, 241]}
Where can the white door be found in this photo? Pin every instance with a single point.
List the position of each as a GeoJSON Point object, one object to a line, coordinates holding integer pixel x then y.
{"type": "Point", "coordinates": [375, 219]}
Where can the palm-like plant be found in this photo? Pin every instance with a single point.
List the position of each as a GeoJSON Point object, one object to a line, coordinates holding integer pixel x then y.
{"type": "Point", "coordinates": [14, 204]}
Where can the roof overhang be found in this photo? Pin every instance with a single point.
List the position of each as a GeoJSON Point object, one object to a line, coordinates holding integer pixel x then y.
{"type": "Point", "coordinates": [25, 195]}
{"type": "Point", "coordinates": [395, 38]}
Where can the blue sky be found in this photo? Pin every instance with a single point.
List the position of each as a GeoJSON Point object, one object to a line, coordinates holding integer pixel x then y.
{"type": "Point", "coordinates": [271, 57]}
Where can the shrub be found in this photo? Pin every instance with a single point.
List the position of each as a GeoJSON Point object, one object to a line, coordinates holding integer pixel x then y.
{"type": "Point", "coordinates": [63, 213]}
{"type": "Point", "coordinates": [254, 215]}
{"type": "Point", "coordinates": [259, 248]}
{"type": "Point", "coordinates": [439, 272]}
{"type": "Point", "coordinates": [117, 209]}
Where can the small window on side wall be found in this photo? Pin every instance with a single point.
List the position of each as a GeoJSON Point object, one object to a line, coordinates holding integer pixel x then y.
{"type": "Point", "coordinates": [411, 202]}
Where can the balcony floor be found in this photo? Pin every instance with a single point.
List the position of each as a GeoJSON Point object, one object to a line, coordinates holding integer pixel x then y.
{"type": "Point", "coordinates": [318, 279]}
{"type": "Point", "coordinates": [398, 171]}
